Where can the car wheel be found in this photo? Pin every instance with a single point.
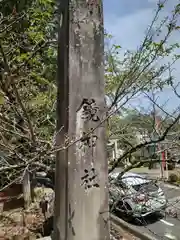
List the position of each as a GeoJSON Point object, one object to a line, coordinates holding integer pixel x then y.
{"type": "Point", "coordinates": [125, 211]}
{"type": "Point", "coordinates": [129, 213]}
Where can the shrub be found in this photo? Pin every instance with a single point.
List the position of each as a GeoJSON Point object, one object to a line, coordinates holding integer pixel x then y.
{"type": "Point", "coordinates": [171, 166]}
{"type": "Point", "coordinates": [173, 178]}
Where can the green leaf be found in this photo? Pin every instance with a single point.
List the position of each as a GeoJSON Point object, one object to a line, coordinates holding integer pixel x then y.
{"type": "Point", "coordinates": [2, 98]}
{"type": "Point", "coordinates": [160, 5]}
{"type": "Point", "coordinates": [177, 27]}
{"type": "Point", "coordinates": [117, 46]}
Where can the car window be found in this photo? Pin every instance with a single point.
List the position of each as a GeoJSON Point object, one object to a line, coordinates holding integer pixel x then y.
{"type": "Point", "coordinates": [148, 187]}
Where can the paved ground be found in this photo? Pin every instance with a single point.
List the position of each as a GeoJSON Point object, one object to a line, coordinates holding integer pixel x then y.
{"type": "Point", "coordinates": [164, 227]}
{"type": "Point", "coordinates": [153, 173]}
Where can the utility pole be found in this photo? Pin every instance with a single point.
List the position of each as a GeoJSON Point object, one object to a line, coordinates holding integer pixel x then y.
{"type": "Point", "coordinates": [166, 161]}
{"type": "Point", "coordinates": [155, 131]}
{"type": "Point", "coordinates": [158, 123]}
{"type": "Point", "coordinates": [81, 189]}
{"type": "Point", "coordinates": [157, 126]}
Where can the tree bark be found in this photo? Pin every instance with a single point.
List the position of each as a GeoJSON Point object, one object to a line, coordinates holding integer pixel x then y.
{"type": "Point", "coordinates": [81, 202]}
{"type": "Point", "coordinates": [26, 189]}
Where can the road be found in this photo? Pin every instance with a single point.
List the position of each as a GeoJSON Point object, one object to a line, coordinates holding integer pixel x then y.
{"type": "Point", "coordinates": [165, 227]}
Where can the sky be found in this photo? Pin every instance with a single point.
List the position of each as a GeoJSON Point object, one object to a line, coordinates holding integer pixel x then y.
{"type": "Point", "coordinates": [127, 21]}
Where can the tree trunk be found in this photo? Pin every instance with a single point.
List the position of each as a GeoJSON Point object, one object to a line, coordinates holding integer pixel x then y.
{"type": "Point", "coordinates": [26, 189]}
{"type": "Point", "coordinates": [81, 202]}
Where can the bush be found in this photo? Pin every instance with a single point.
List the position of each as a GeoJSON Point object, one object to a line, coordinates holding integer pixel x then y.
{"type": "Point", "coordinates": [173, 178]}
{"type": "Point", "coordinates": [171, 166]}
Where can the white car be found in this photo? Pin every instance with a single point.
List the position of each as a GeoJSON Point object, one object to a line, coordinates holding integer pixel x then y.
{"type": "Point", "coordinates": [135, 196]}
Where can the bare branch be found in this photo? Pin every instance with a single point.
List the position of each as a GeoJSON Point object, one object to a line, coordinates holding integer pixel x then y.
{"type": "Point", "coordinates": [139, 146]}
{"type": "Point", "coordinates": [11, 81]}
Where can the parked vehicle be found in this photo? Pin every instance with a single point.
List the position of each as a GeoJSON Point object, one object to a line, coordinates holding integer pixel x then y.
{"type": "Point", "coordinates": [135, 196]}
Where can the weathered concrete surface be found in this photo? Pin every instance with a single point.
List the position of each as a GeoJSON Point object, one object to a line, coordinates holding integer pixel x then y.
{"type": "Point", "coordinates": [81, 208]}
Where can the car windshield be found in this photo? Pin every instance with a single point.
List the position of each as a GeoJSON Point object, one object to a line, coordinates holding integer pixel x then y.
{"type": "Point", "coordinates": [148, 187]}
